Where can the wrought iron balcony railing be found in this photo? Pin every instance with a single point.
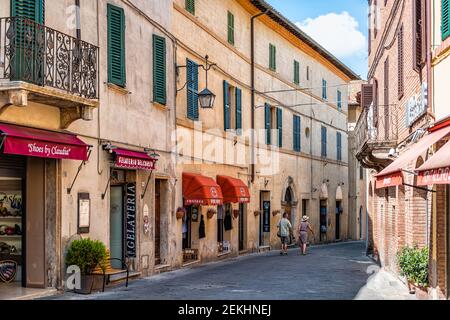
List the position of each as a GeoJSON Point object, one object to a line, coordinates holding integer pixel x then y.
{"type": "Point", "coordinates": [377, 126]}
{"type": "Point", "coordinates": [37, 54]}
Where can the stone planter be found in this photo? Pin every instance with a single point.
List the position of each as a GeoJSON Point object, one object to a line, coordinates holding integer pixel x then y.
{"type": "Point", "coordinates": [87, 284]}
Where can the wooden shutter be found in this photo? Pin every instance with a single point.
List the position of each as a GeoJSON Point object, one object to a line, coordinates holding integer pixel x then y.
{"type": "Point", "coordinates": [226, 106]}
{"type": "Point", "coordinates": [192, 89]}
{"type": "Point", "coordinates": [339, 99]}
{"type": "Point", "coordinates": [159, 69]}
{"type": "Point", "coordinates": [324, 142]}
{"type": "Point", "coordinates": [297, 133]}
{"type": "Point", "coordinates": [30, 9]}
{"type": "Point", "coordinates": [296, 72]}
{"type": "Point", "coordinates": [400, 63]}
{"type": "Point", "coordinates": [366, 95]}
{"type": "Point", "coordinates": [445, 24]}
{"type": "Point", "coordinates": [324, 89]}
{"type": "Point", "coordinates": [190, 6]}
{"type": "Point", "coordinates": [418, 34]}
{"type": "Point", "coordinates": [339, 146]}
{"type": "Point", "coordinates": [375, 103]}
{"type": "Point", "coordinates": [238, 94]}
{"type": "Point", "coordinates": [230, 28]}
{"type": "Point", "coordinates": [116, 46]}
{"type": "Point", "coordinates": [272, 57]}
{"type": "Point", "coordinates": [386, 99]}
{"type": "Point", "coordinates": [267, 123]}
{"type": "Point", "coordinates": [280, 126]}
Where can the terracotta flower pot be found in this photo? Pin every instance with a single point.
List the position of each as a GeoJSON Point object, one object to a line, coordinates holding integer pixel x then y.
{"type": "Point", "coordinates": [257, 213]}
{"type": "Point", "coordinates": [275, 212]}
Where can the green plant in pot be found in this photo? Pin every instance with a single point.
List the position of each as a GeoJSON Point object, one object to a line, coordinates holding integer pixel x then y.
{"type": "Point", "coordinates": [413, 264]}
{"type": "Point", "coordinates": [87, 254]}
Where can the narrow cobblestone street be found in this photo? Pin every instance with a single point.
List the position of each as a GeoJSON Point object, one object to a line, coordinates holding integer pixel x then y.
{"type": "Point", "coordinates": [339, 271]}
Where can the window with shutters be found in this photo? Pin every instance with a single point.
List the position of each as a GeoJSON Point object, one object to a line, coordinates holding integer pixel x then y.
{"type": "Point", "coordinates": [366, 95]}
{"type": "Point", "coordinates": [418, 34]}
{"type": "Point", "coordinates": [400, 63]}
{"type": "Point", "coordinates": [375, 18]}
{"type": "Point", "coordinates": [386, 108]}
{"type": "Point", "coordinates": [159, 69]}
{"type": "Point", "coordinates": [190, 6]}
{"type": "Point", "coordinates": [297, 133]}
{"type": "Point", "coordinates": [272, 57]}
{"type": "Point", "coordinates": [296, 72]}
{"type": "Point", "coordinates": [230, 28]}
{"type": "Point", "coordinates": [323, 139]}
{"type": "Point", "coordinates": [192, 89]}
{"type": "Point", "coordinates": [30, 9]}
{"type": "Point", "coordinates": [307, 73]}
{"type": "Point", "coordinates": [116, 46]}
{"type": "Point", "coordinates": [339, 100]}
{"type": "Point", "coordinates": [445, 23]}
{"type": "Point", "coordinates": [339, 146]}
{"type": "Point", "coordinates": [232, 108]}
{"type": "Point", "coordinates": [268, 123]}
{"type": "Point", "coordinates": [324, 89]}
{"type": "Point", "coordinates": [280, 127]}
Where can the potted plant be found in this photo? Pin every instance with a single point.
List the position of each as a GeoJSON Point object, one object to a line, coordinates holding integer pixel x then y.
{"type": "Point", "coordinates": [275, 212]}
{"type": "Point", "coordinates": [87, 254]}
{"type": "Point", "coordinates": [210, 213]}
{"type": "Point", "coordinates": [256, 213]}
{"type": "Point", "coordinates": [180, 212]}
{"type": "Point", "coordinates": [413, 264]}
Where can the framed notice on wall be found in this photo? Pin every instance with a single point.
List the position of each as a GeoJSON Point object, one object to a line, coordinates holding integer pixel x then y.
{"type": "Point", "coordinates": [84, 213]}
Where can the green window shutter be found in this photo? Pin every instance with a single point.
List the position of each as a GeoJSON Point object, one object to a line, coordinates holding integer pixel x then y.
{"type": "Point", "coordinates": [272, 57]}
{"type": "Point", "coordinates": [280, 127]}
{"type": "Point", "coordinates": [192, 89]}
{"type": "Point", "coordinates": [324, 89]}
{"type": "Point", "coordinates": [30, 9]}
{"type": "Point", "coordinates": [296, 72]}
{"type": "Point", "coordinates": [445, 24]}
{"type": "Point", "coordinates": [238, 94]}
{"type": "Point", "coordinates": [297, 133]}
{"type": "Point", "coordinates": [116, 46]}
{"type": "Point", "coordinates": [339, 146]}
{"type": "Point", "coordinates": [230, 28]}
{"type": "Point", "coordinates": [226, 106]}
{"type": "Point", "coordinates": [324, 142]}
{"type": "Point", "coordinates": [339, 100]}
{"type": "Point", "coordinates": [190, 6]}
{"type": "Point", "coordinates": [159, 69]}
{"type": "Point", "coordinates": [267, 123]}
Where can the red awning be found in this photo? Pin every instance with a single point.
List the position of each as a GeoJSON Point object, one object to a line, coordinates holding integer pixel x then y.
{"type": "Point", "coordinates": [234, 190]}
{"type": "Point", "coordinates": [42, 143]}
{"type": "Point", "coordinates": [198, 189]}
{"type": "Point", "coordinates": [392, 175]}
{"type": "Point", "coordinates": [130, 159]}
{"type": "Point", "coordinates": [437, 169]}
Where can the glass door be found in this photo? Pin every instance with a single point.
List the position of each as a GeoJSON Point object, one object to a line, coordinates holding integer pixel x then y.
{"type": "Point", "coordinates": [116, 225]}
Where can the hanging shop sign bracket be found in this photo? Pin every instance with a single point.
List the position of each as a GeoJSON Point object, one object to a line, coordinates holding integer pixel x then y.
{"type": "Point", "coordinates": [420, 188]}
{"type": "Point", "coordinates": [83, 163]}
{"type": "Point", "coordinates": [146, 185]}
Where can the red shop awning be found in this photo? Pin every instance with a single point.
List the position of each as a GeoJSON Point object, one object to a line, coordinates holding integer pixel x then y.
{"type": "Point", "coordinates": [392, 175]}
{"type": "Point", "coordinates": [42, 143]}
{"type": "Point", "coordinates": [234, 190]}
{"type": "Point", "coordinates": [201, 190]}
{"type": "Point", "coordinates": [437, 169]}
{"type": "Point", "coordinates": [130, 159]}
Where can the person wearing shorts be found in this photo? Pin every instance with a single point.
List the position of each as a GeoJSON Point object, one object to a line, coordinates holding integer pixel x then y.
{"type": "Point", "coordinates": [284, 231]}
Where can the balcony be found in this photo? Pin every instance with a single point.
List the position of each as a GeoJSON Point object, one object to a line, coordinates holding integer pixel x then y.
{"type": "Point", "coordinates": [43, 65]}
{"type": "Point", "coordinates": [376, 133]}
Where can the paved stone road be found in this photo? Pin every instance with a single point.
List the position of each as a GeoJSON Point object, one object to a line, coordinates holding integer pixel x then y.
{"type": "Point", "coordinates": [339, 271]}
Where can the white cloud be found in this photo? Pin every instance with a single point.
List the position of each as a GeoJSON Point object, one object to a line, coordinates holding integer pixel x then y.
{"type": "Point", "coordinates": [338, 33]}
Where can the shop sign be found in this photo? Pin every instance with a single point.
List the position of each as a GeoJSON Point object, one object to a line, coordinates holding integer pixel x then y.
{"type": "Point", "coordinates": [435, 176]}
{"type": "Point", "coordinates": [417, 106]}
{"type": "Point", "coordinates": [131, 220]}
{"type": "Point", "coordinates": [8, 270]}
{"type": "Point", "coordinates": [135, 163]}
{"type": "Point", "coordinates": [266, 216]}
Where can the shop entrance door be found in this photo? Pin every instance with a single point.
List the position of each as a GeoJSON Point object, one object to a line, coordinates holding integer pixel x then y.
{"type": "Point", "coordinates": [116, 225]}
{"type": "Point", "coordinates": [264, 219]}
{"type": "Point", "coordinates": [157, 222]}
{"type": "Point", "coordinates": [338, 220]}
{"type": "Point", "coordinates": [241, 226]}
{"type": "Point", "coordinates": [186, 228]}
{"type": "Point", "coordinates": [323, 220]}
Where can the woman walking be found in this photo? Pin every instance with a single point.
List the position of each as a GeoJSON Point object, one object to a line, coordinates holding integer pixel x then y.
{"type": "Point", "coordinates": [304, 228]}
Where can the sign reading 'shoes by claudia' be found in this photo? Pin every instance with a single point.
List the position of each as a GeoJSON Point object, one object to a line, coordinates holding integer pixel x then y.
{"type": "Point", "coordinates": [8, 271]}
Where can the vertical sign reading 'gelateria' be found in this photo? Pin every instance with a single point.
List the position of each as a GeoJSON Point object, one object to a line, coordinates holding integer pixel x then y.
{"type": "Point", "coordinates": [131, 220]}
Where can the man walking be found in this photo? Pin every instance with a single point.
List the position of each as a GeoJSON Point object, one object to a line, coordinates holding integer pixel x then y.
{"type": "Point", "coordinates": [284, 231]}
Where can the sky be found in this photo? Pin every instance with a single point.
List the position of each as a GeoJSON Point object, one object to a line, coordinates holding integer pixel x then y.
{"type": "Point", "coordinates": [340, 26]}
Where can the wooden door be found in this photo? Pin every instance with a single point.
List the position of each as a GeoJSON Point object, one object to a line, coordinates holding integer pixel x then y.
{"type": "Point", "coordinates": [157, 222]}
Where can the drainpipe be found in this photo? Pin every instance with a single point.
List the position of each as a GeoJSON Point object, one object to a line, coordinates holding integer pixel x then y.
{"type": "Point", "coordinates": [252, 80]}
